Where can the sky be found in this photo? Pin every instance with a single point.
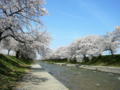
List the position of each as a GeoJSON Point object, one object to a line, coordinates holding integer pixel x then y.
{"type": "Point", "coordinates": [71, 19]}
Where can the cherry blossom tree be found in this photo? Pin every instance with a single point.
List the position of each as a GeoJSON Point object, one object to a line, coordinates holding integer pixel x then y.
{"type": "Point", "coordinates": [25, 53]}
{"type": "Point", "coordinates": [115, 33]}
{"type": "Point", "coordinates": [59, 53]}
{"type": "Point", "coordinates": [39, 44]}
{"type": "Point", "coordinates": [20, 19]}
{"type": "Point", "coordinates": [9, 44]}
{"type": "Point", "coordinates": [17, 15]}
{"type": "Point", "coordinates": [88, 46]}
{"type": "Point", "coordinates": [72, 49]}
{"type": "Point", "coordinates": [112, 40]}
{"type": "Point", "coordinates": [80, 48]}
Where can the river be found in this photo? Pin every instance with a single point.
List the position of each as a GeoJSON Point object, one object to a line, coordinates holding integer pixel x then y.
{"type": "Point", "coordinates": [83, 79]}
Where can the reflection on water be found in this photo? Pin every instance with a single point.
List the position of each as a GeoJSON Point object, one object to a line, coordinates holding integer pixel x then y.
{"type": "Point", "coordinates": [118, 78]}
{"type": "Point", "coordinates": [83, 79]}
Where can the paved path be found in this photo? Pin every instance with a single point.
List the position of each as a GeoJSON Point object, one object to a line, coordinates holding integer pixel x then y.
{"type": "Point", "coordinates": [39, 79]}
{"type": "Point", "coordinates": [92, 67]}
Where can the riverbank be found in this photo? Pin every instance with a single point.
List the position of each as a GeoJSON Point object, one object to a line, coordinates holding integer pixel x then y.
{"type": "Point", "coordinates": [92, 67]}
{"type": "Point", "coordinates": [12, 70]}
{"type": "Point", "coordinates": [105, 60]}
{"type": "Point", "coordinates": [39, 79]}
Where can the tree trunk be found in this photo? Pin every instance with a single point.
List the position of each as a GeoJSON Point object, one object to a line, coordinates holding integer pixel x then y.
{"type": "Point", "coordinates": [9, 51]}
{"type": "Point", "coordinates": [112, 52]}
{"type": "Point", "coordinates": [0, 36]}
{"type": "Point", "coordinates": [17, 54]}
{"type": "Point", "coordinates": [99, 56]}
{"type": "Point", "coordinates": [84, 56]}
{"type": "Point", "coordinates": [22, 56]}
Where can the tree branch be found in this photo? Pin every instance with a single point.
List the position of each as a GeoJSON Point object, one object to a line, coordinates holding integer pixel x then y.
{"type": "Point", "coordinates": [16, 12]}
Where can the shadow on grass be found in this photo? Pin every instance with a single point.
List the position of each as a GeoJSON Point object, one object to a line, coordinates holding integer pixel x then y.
{"type": "Point", "coordinates": [11, 70]}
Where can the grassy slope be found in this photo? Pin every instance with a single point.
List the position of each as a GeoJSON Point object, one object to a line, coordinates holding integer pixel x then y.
{"type": "Point", "coordinates": [106, 60]}
{"type": "Point", "coordinates": [11, 70]}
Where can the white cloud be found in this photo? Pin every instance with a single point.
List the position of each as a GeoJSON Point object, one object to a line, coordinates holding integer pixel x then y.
{"type": "Point", "coordinates": [77, 17]}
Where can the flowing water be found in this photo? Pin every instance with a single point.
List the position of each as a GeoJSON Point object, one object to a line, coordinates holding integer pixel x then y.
{"type": "Point", "coordinates": [83, 79]}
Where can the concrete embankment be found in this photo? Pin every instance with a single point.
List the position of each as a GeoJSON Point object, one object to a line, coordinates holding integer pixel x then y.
{"type": "Point", "coordinates": [39, 79]}
{"type": "Point", "coordinates": [91, 67]}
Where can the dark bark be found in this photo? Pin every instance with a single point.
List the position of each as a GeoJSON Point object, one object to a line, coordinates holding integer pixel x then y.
{"type": "Point", "coordinates": [12, 35]}
{"type": "Point", "coordinates": [0, 36]}
{"type": "Point", "coordinates": [99, 56]}
{"type": "Point", "coordinates": [112, 52]}
{"type": "Point", "coordinates": [17, 54]}
{"type": "Point", "coordinates": [9, 51]}
{"type": "Point", "coordinates": [23, 56]}
{"type": "Point", "coordinates": [84, 56]}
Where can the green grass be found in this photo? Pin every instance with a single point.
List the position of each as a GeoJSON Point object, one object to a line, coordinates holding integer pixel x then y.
{"type": "Point", "coordinates": [12, 70]}
{"type": "Point", "coordinates": [105, 60]}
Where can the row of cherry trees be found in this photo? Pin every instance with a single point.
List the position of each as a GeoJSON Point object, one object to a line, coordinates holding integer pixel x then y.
{"type": "Point", "coordinates": [19, 28]}
{"type": "Point", "coordinates": [29, 50]}
{"type": "Point", "coordinates": [88, 46]}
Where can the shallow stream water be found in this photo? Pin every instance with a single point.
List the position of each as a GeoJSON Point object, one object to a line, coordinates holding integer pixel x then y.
{"type": "Point", "coordinates": [83, 79]}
